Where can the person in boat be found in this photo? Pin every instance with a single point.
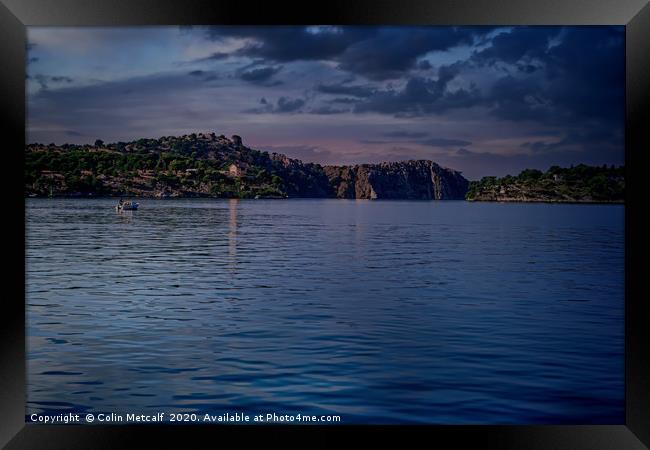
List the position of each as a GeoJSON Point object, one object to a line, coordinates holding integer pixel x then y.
{"type": "Point", "coordinates": [121, 202]}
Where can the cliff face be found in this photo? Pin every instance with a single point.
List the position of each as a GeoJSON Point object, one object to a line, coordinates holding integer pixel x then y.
{"type": "Point", "coordinates": [300, 179]}
{"type": "Point", "coordinates": [417, 180]}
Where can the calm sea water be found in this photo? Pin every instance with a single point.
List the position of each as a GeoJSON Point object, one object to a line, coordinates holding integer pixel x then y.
{"type": "Point", "coordinates": [377, 311]}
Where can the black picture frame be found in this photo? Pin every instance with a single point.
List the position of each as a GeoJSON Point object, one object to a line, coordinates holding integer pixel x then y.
{"type": "Point", "coordinates": [15, 15]}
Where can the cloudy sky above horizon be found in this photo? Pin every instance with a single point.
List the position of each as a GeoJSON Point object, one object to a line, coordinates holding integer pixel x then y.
{"type": "Point", "coordinates": [483, 100]}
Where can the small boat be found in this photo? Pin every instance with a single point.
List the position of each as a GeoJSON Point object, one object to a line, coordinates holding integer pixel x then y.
{"type": "Point", "coordinates": [127, 206]}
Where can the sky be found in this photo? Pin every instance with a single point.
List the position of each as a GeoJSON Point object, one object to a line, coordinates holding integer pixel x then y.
{"type": "Point", "coordinates": [482, 100]}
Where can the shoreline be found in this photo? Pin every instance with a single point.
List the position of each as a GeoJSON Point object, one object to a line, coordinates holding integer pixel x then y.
{"type": "Point", "coordinates": [565, 202]}
{"type": "Point", "coordinates": [570, 202]}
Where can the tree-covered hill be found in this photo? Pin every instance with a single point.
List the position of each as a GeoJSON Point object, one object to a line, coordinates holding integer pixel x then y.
{"type": "Point", "coordinates": [195, 165]}
{"type": "Point", "coordinates": [579, 183]}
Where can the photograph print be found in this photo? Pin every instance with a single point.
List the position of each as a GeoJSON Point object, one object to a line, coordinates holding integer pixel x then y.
{"type": "Point", "coordinates": [325, 225]}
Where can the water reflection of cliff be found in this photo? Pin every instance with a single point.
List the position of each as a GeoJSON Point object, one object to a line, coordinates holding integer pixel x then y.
{"type": "Point", "coordinates": [233, 204]}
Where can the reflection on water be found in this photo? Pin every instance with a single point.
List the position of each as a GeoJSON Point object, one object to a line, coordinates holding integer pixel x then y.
{"type": "Point", "coordinates": [433, 312]}
{"type": "Point", "coordinates": [232, 234]}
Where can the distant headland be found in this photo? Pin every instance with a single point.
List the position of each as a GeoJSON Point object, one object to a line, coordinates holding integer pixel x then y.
{"type": "Point", "coordinates": [576, 184]}
{"type": "Point", "coordinates": [210, 165]}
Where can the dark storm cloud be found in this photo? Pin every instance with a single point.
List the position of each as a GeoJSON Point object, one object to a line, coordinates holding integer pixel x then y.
{"type": "Point", "coordinates": [517, 44]}
{"type": "Point", "coordinates": [61, 79]}
{"type": "Point", "coordinates": [289, 105]}
{"type": "Point", "coordinates": [394, 50]}
{"type": "Point", "coordinates": [259, 75]}
{"type": "Point", "coordinates": [570, 78]}
{"type": "Point", "coordinates": [344, 100]}
{"type": "Point", "coordinates": [344, 89]}
{"type": "Point", "coordinates": [291, 43]}
{"type": "Point", "coordinates": [527, 68]}
{"type": "Point", "coordinates": [519, 99]}
{"type": "Point", "coordinates": [282, 106]}
{"type": "Point", "coordinates": [587, 72]}
{"type": "Point", "coordinates": [217, 56]}
{"type": "Point", "coordinates": [205, 75]}
{"type": "Point", "coordinates": [579, 78]}
{"type": "Point", "coordinates": [376, 53]}
{"type": "Point", "coordinates": [596, 137]}
{"type": "Point", "coordinates": [422, 96]}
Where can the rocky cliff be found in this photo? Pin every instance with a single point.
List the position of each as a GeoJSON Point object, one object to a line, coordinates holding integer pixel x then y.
{"type": "Point", "coordinates": [418, 180]}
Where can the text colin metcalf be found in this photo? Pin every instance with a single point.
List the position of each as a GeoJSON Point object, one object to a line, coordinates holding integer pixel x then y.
{"type": "Point", "coordinates": [112, 417]}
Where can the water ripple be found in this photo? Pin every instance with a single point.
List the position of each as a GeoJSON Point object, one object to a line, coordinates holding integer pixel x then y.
{"type": "Point", "coordinates": [382, 312]}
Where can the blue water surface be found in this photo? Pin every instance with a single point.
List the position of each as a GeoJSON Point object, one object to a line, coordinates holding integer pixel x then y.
{"type": "Point", "coordinates": [443, 312]}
